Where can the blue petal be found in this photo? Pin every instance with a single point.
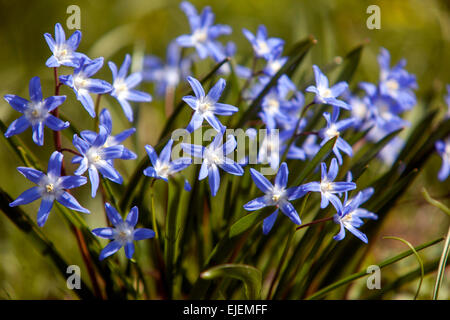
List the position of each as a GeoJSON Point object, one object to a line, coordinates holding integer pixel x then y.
{"type": "Point", "coordinates": [204, 170]}
{"type": "Point", "coordinates": [56, 124]}
{"type": "Point", "coordinates": [214, 179]}
{"type": "Point", "coordinates": [261, 182]}
{"type": "Point", "coordinates": [107, 233]}
{"type": "Point", "coordinates": [69, 201]}
{"type": "Point", "coordinates": [196, 87]}
{"type": "Point", "coordinates": [124, 135]}
{"type": "Point", "coordinates": [165, 154]}
{"type": "Point", "coordinates": [195, 123]}
{"type": "Point", "coordinates": [129, 250]}
{"type": "Point", "coordinates": [54, 164]}
{"type": "Point", "coordinates": [232, 167]}
{"type": "Point", "coordinates": [357, 233]}
{"type": "Point", "coordinates": [255, 204]}
{"type": "Point", "coordinates": [31, 174]}
{"type": "Point", "coordinates": [269, 222]}
{"type": "Point", "coordinates": [193, 149]}
{"type": "Point", "coordinates": [35, 89]}
{"type": "Point", "coordinates": [38, 133]}
{"type": "Point", "coordinates": [105, 120]}
{"type": "Point", "coordinates": [216, 91]}
{"type": "Point", "coordinates": [26, 197]}
{"type": "Point", "coordinates": [124, 67]}
{"type": "Point", "coordinates": [60, 36]}
{"type": "Point", "coordinates": [132, 217]}
{"type": "Point", "coordinates": [44, 211]}
{"type": "Point", "coordinates": [74, 40]}
{"type": "Point", "coordinates": [101, 137]}
{"type": "Point", "coordinates": [282, 176]}
{"type": "Point", "coordinates": [92, 66]}
{"type": "Point", "coordinates": [98, 86]}
{"type": "Point", "coordinates": [110, 249]}
{"type": "Point", "coordinates": [113, 215]}
{"type": "Point", "coordinates": [127, 110]}
{"type": "Point", "coordinates": [214, 122]}
{"type": "Point", "coordinates": [341, 234]}
{"type": "Point", "coordinates": [143, 233]}
{"type": "Point", "coordinates": [50, 42]}
{"type": "Point", "coordinates": [95, 180]}
{"type": "Point", "coordinates": [288, 209]}
{"type": "Point", "coordinates": [86, 100]}
{"type": "Point", "coordinates": [51, 103]}
{"type": "Point", "coordinates": [333, 170]}
{"type": "Point", "coordinates": [17, 126]}
{"type": "Point", "coordinates": [223, 109]}
{"type": "Point", "coordinates": [114, 152]}
{"type": "Point", "coordinates": [138, 96]}
{"type": "Point", "coordinates": [311, 187]}
{"type": "Point", "coordinates": [180, 164]}
{"type": "Point", "coordinates": [133, 79]}
{"type": "Point", "coordinates": [108, 171]}
{"type": "Point", "coordinates": [18, 103]}
{"type": "Point", "coordinates": [70, 182]}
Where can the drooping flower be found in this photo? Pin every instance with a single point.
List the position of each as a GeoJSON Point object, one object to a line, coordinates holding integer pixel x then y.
{"type": "Point", "coordinates": [277, 195]}
{"type": "Point", "coordinates": [443, 149]}
{"type": "Point", "coordinates": [123, 234]}
{"type": "Point", "coordinates": [64, 51]}
{"type": "Point", "coordinates": [351, 216]}
{"type": "Point", "coordinates": [214, 157]}
{"type": "Point", "coordinates": [263, 46]}
{"type": "Point", "coordinates": [105, 120]}
{"type": "Point", "coordinates": [328, 188]}
{"type": "Point", "coordinates": [95, 157]}
{"type": "Point", "coordinates": [207, 106]}
{"type": "Point", "coordinates": [50, 187]}
{"type": "Point", "coordinates": [166, 75]}
{"type": "Point", "coordinates": [83, 85]}
{"type": "Point", "coordinates": [163, 167]}
{"type": "Point", "coordinates": [325, 94]}
{"type": "Point", "coordinates": [333, 129]}
{"type": "Point", "coordinates": [36, 113]}
{"type": "Point", "coordinates": [203, 32]}
{"type": "Point", "coordinates": [123, 87]}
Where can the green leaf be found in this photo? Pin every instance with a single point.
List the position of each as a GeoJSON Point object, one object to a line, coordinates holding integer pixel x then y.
{"type": "Point", "coordinates": [350, 64]}
{"type": "Point", "coordinates": [435, 203]}
{"type": "Point", "coordinates": [251, 277]}
{"type": "Point", "coordinates": [418, 259]}
{"type": "Point", "coordinates": [246, 222]}
{"type": "Point", "coordinates": [442, 266]}
{"type": "Point", "coordinates": [324, 291]}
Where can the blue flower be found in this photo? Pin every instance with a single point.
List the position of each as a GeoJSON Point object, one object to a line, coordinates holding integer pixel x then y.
{"type": "Point", "coordinates": [163, 167]}
{"type": "Point", "coordinates": [63, 50]}
{"type": "Point", "coordinates": [36, 113]}
{"type": "Point", "coordinates": [203, 32]}
{"type": "Point", "coordinates": [106, 122]}
{"type": "Point", "coordinates": [443, 149]}
{"type": "Point", "coordinates": [275, 195]}
{"type": "Point", "coordinates": [396, 82]}
{"type": "Point", "coordinates": [447, 101]}
{"type": "Point", "coordinates": [328, 188]}
{"type": "Point", "coordinates": [263, 46]}
{"type": "Point", "coordinates": [214, 157]}
{"type": "Point", "coordinates": [333, 129]}
{"type": "Point", "coordinates": [275, 62]}
{"type": "Point", "coordinates": [206, 106]}
{"type": "Point", "coordinates": [325, 94]}
{"type": "Point", "coordinates": [95, 157]}
{"type": "Point", "coordinates": [351, 216]}
{"type": "Point", "coordinates": [83, 85]}
{"type": "Point", "coordinates": [123, 234]}
{"type": "Point", "coordinates": [123, 85]}
{"type": "Point", "coordinates": [167, 75]}
{"type": "Point", "coordinates": [50, 187]}
{"type": "Point", "coordinates": [229, 51]}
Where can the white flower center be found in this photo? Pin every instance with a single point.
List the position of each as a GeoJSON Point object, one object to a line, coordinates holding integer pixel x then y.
{"type": "Point", "coordinates": [120, 87]}
{"type": "Point", "coordinates": [392, 85]}
{"type": "Point", "coordinates": [50, 186]}
{"type": "Point", "coordinates": [163, 169]}
{"type": "Point", "coordinates": [277, 194]}
{"type": "Point", "coordinates": [214, 156]}
{"type": "Point", "coordinates": [80, 82]}
{"type": "Point", "coordinates": [62, 53]}
{"type": "Point", "coordinates": [200, 35]}
{"type": "Point", "coordinates": [124, 233]}
{"type": "Point", "coordinates": [273, 105]}
{"type": "Point", "coordinates": [263, 48]}
{"type": "Point", "coordinates": [325, 92]}
{"type": "Point", "coordinates": [172, 76]}
{"type": "Point", "coordinates": [274, 66]}
{"type": "Point", "coordinates": [326, 186]}
{"type": "Point", "coordinates": [94, 155]}
{"type": "Point", "coordinates": [204, 105]}
{"type": "Point", "coordinates": [332, 131]}
{"type": "Point", "coordinates": [36, 112]}
{"type": "Point", "coordinates": [359, 109]}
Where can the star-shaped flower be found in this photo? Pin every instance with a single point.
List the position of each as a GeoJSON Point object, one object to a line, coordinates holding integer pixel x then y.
{"type": "Point", "coordinates": [207, 106]}
{"type": "Point", "coordinates": [36, 113]}
{"type": "Point", "coordinates": [351, 216]}
{"type": "Point", "coordinates": [163, 167]}
{"type": "Point", "coordinates": [64, 51]}
{"type": "Point", "coordinates": [123, 234]}
{"type": "Point", "coordinates": [328, 188]}
{"type": "Point", "coordinates": [123, 87]}
{"type": "Point", "coordinates": [83, 85]}
{"type": "Point", "coordinates": [214, 157]}
{"type": "Point", "coordinates": [203, 32]}
{"type": "Point", "coordinates": [50, 187]}
{"type": "Point", "coordinates": [277, 195]}
{"type": "Point", "coordinates": [263, 46]}
{"type": "Point", "coordinates": [96, 157]}
{"type": "Point", "coordinates": [325, 94]}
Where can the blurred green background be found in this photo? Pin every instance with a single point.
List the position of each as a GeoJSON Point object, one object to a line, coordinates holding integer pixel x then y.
{"type": "Point", "coordinates": [416, 30]}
